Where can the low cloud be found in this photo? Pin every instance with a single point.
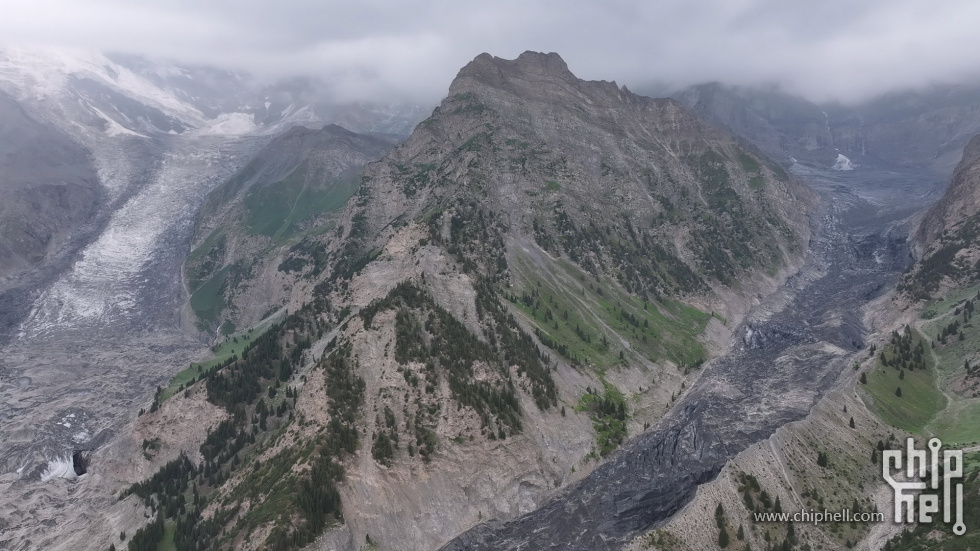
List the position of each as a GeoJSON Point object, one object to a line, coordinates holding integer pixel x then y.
{"type": "Point", "coordinates": [412, 49]}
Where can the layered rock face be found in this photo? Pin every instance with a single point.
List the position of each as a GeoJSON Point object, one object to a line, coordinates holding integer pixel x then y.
{"type": "Point", "coordinates": [947, 237]}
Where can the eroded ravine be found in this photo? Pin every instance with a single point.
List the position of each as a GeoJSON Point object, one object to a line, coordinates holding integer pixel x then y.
{"type": "Point", "coordinates": [786, 353]}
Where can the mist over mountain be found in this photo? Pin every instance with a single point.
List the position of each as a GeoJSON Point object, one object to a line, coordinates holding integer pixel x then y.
{"type": "Point", "coordinates": [924, 128]}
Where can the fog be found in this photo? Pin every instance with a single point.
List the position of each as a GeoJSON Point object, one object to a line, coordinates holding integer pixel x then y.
{"type": "Point", "coordinates": [411, 50]}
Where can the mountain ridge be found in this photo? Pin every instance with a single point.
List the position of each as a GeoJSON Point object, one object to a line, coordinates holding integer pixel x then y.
{"type": "Point", "coordinates": [495, 288]}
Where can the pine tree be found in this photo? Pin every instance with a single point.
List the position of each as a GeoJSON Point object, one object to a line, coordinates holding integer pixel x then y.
{"type": "Point", "coordinates": [864, 378]}
{"type": "Point", "coordinates": [852, 422]}
{"type": "Point", "coordinates": [898, 392]}
{"type": "Point", "coordinates": [723, 538]}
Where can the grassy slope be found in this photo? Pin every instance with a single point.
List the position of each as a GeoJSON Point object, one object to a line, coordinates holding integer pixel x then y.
{"type": "Point", "coordinates": [279, 210]}
{"type": "Point", "coordinates": [600, 309]}
{"type": "Point", "coordinates": [921, 399]}
{"type": "Point", "coordinates": [959, 422]}
{"type": "Point", "coordinates": [226, 349]}
{"type": "Point", "coordinates": [956, 421]}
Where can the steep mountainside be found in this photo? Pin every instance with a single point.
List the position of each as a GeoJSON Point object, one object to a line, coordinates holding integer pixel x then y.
{"type": "Point", "coordinates": [913, 129]}
{"type": "Point", "coordinates": [293, 189]}
{"type": "Point", "coordinates": [48, 189]}
{"type": "Point", "coordinates": [948, 238]}
{"type": "Point", "coordinates": [916, 376]}
{"type": "Point", "coordinates": [531, 278]}
{"type": "Point", "coordinates": [91, 290]}
{"type": "Point", "coordinates": [593, 173]}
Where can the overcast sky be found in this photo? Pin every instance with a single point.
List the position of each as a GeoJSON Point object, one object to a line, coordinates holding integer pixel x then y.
{"type": "Point", "coordinates": [371, 49]}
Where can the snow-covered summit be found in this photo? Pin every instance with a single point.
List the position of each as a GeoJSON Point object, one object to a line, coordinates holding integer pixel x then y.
{"type": "Point", "coordinates": [75, 83]}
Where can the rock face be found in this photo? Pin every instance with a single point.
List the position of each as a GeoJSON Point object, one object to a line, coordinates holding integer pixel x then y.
{"type": "Point", "coordinates": [913, 129]}
{"type": "Point", "coordinates": [49, 188]}
{"type": "Point", "coordinates": [947, 238]}
{"type": "Point", "coordinates": [591, 171]}
{"type": "Point", "coordinates": [293, 188]}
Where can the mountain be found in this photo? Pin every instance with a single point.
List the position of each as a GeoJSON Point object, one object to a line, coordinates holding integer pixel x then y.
{"type": "Point", "coordinates": [49, 186]}
{"type": "Point", "coordinates": [531, 278]}
{"type": "Point", "coordinates": [84, 133]}
{"type": "Point", "coordinates": [923, 128]}
{"type": "Point", "coordinates": [947, 237]}
{"type": "Point", "coordinates": [914, 376]}
{"type": "Point", "coordinates": [104, 166]}
{"type": "Point", "coordinates": [293, 188]}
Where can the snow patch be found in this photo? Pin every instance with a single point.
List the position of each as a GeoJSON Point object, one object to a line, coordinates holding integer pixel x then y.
{"type": "Point", "coordinates": [229, 124]}
{"type": "Point", "coordinates": [842, 164]}
{"type": "Point", "coordinates": [59, 468]}
{"type": "Point", "coordinates": [40, 73]}
{"type": "Point", "coordinates": [113, 128]}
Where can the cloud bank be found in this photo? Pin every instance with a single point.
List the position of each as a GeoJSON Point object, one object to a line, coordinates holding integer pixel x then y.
{"type": "Point", "coordinates": [412, 49]}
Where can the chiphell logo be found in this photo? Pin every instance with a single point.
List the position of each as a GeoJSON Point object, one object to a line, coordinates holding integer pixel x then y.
{"type": "Point", "coordinates": [922, 474]}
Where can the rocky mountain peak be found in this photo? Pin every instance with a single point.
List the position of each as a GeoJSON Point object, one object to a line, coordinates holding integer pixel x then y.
{"type": "Point", "coordinates": [491, 70]}
{"type": "Point", "coordinates": [533, 75]}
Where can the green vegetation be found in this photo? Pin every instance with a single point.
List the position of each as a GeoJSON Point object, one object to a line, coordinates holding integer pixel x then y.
{"type": "Point", "coordinates": [642, 261]}
{"type": "Point", "coordinates": [904, 363]}
{"type": "Point", "coordinates": [608, 413]}
{"type": "Point", "coordinates": [956, 344]}
{"type": "Point", "coordinates": [231, 347]}
{"type": "Point", "coordinates": [574, 313]}
{"type": "Point", "coordinates": [749, 163]}
{"type": "Point", "coordinates": [252, 385]}
{"type": "Point", "coordinates": [149, 537]}
{"type": "Point", "coordinates": [208, 300]}
{"type": "Point", "coordinates": [715, 180]}
{"type": "Point", "coordinates": [281, 210]}
{"type": "Point", "coordinates": [167, 542]}
{"type": "Point", "coordinates": [467, 104]}
{"type": "Point", "coordinates": [205, 260]}
{"type": "Point", "coordinates": [429, 334]}
{"type": "Point", "coordinates": [958, 424]}
{"type": "Point", "coordinates": [227, 328]}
